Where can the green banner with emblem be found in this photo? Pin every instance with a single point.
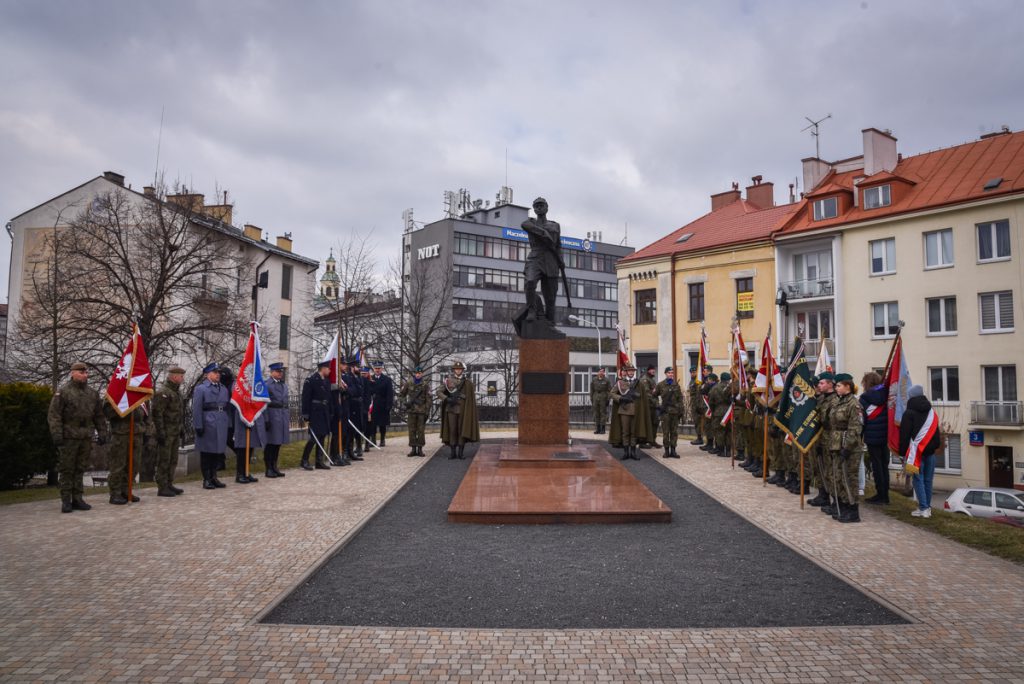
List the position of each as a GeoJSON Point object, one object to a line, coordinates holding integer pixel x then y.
{"type": "Point", "coordinates": [797, 413]}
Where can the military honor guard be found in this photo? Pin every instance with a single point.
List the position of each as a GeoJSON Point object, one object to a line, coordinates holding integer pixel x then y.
{"type": "Point", "coordinates": [257, 440]}
{"type": "Point", "coordinates": [168, 412]}
{"type": "Point", "coordinates": [670, 394]}
{"type": "Point", "coordinates": [416, 394]}
{"type": "Point", "coordinates": [383, 391]}
{"type": "Point", "coordinates": [845, 444]}
{"type": "Point", "coordinates": [696, 405]}
{"type": "Point", "coordinates": [631, 424]}
{"type": "Point", "coordinates": [277, 423]}
{"type": "Point", "coordinates": [210, 407]}
{"type": "Point", "coordinates": [720, 399]}
{"type": "Point", "coordinates": [600, 390]}
{"type": "Point", "coordinates": [363, 422]}
{"type": "Point", "coordinates": [353, 405]}
{"type": "Point", "coordinates": [317, 415]}
{"type": "Point", "coordinates": [121, 435]}
{"type": "Point", "coordinates": [339, 424]}
{"type": "Point", "coordinates": [650, 381]}
{"type": "Point", "coordinates": [459, 422]}
{"type": "Point", "coordinates": [74, 415]}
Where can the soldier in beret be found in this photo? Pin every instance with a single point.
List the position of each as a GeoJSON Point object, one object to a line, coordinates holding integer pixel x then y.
{"type": "Point", "coordinates": [671, 396]}
{"type": "Point", "coordinates": [74, 415]}
{"type": "Point", "coordinates": [600, 389]}
{"type": "Point", "coordinates": [210, 406]}
{"type": "Point", "coordinates": [459, 422]}
{"type": "Point", "coordinates": [416, 392]}
{"type": "Point", "coordinates": [278, 431]}
{"type": "Point", "coordinates": [168, 413]}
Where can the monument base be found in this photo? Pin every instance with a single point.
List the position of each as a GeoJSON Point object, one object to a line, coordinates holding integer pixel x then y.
{"type": "Point", "coordinates": [544, 391]}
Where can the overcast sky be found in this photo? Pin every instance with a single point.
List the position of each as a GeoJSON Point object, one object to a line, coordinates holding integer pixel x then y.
{"type": "Point", "coordinates": [328, 119]}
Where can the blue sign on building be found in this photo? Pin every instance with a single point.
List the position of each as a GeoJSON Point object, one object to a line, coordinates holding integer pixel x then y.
{"type": "Point", "coordinates": [567, 242]}
{"type": "Point", "coordinates": [977, 437]}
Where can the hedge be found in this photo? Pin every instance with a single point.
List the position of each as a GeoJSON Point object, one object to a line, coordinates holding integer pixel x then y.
{"type": "Point", "coordinates": [25, 444]}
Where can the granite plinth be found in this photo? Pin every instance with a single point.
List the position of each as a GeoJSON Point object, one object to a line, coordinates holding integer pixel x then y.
{"type": "Point", "coordinates": [544, 416]}
{"type": "Point", "coordinates": [537, 484]}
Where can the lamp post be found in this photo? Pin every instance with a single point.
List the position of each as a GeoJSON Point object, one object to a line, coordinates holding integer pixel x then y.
{"type": "Point", "coordinates": [576, 319]}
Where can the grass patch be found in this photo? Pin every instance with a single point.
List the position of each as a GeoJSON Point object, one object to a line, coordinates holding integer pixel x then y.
{"type": "Point", "coordinates": [1004, 541]}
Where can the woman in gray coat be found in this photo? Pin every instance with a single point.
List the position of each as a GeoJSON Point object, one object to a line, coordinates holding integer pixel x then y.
{"type": "Point", "coordinates": [210, 406]}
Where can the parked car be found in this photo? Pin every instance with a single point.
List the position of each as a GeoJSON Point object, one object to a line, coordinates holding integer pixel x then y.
{"type": "Point", "coordinates": [1007, 520]}
{"type": "Point", "coordinates": [986, 502]}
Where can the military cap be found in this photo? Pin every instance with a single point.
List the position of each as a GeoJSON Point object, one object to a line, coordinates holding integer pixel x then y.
{"type": "Point", "coordinates": [175, 370]}
{"type": "Point", "coordinates": [417, 369]}
{"type": "Point", "coordinates": [814, 379]}
{"type": "Point", "coordinates": [458, 365]}
{"type": "Point", "coordinates": [650, 366]}
{"type": "Point", "coordinates": [708, 367]}
{"type": "Point", "coordinates": [628, 366]}
{"type": "Point", "coordinates": [844, 377]}
{"type": "Point", "coordinates": [210, 367]}
{"type": "Point", "coordinates": [277, 366]}
{"type": "Point", "coordinates": [693, 369]}
{"type": "Point", "coordinates": [324, 364]}
{"type": "Point", "coordinates": [827, 376]}
{"type": "Point", "coordinates": [79, 366]}
{"type": "Point", "coordinates": [725, 376]}
{"type": "Point", "coordinates": [351, 361]}
{"type": "Point", "coordinates": [364, 369]}
{"type": "Point", "coordinates": [669, 369]}
{"type": "Point", "coordinates": [713, 378]}
{"type": "Point", "coordinates": [377, 364]}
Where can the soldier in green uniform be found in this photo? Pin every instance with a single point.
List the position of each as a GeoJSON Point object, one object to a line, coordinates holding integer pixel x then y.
{"type": "Point", "coordinates": [600, 390]}
{"type": "Point", "coordinates": [117, 456]}
{"type": "Point", "coordinates": [630, 406]}
{"type": "Point", "coordinates": [719, 399]}
{"type": "Point", "coordinates": [416, 393]}
{"type": "Point", "coordinates": [846, 446]}
{"type": "Point", "coordinates": [168, 413]}
{"type": "Point", "coordinates": [696, 406]}
{"type": "Point", "coordinates": [822, 470]}
{"type": "Point", "coordinates": [650, 381]}
{"type": "Point", "coordinates": [73, 416]}
{"type": "Point", "coordinates": [671, 396]}
{"type": "Point", "coordinates": [459, 422]}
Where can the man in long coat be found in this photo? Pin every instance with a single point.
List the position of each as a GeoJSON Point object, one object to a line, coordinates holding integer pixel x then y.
{"type": "Point", "coordinates": [459, 422]}
{"type": "Point", "coordinates": [352, 406]}
{"type": "Point", "coordinates": [383, 400]}
{"type": "Point", "coordinates": [278, 427]}
{"type": "Point", "coordinates": [210, 406]}
{"type": "Point", "coordinates": [631, 423]}
{"type": "Point", "coordinates": [316, 413]}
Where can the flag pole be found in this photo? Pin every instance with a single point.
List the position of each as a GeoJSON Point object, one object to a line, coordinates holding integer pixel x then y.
{"type": "Point", "coordinates": [247, 431]}
{"type": "Point", "coordinates": [801, 479]}
{"type": "Point", "coordinates": [764, 467]}
{"type": "Point", "coordinates": [131, 444]}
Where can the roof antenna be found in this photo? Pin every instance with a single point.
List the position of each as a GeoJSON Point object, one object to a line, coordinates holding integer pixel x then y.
{"type": "Point", "coordinates": [816, 134]}
{"type": "Point", "coordinates": [159, 137]}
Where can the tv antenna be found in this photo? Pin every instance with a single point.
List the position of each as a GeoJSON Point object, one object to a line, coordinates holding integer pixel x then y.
{"type": "Point", "coordinates": [815, 133]}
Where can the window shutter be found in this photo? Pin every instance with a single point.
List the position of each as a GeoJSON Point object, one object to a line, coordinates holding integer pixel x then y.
{"type": "Point", "coordinates": [988, 312]}
{"type": "Point", "coordinates": [1005, 309]}
{"type": "Point", "coordinates": [953, 452]}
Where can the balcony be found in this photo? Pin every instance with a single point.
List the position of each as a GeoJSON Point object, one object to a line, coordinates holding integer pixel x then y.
{"type": "Point", "coordinates": [806, 289]}
{"type": "Point", "coordinates": [998, 413]}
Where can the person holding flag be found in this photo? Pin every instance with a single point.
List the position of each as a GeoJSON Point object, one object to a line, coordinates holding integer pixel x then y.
{"type": "Point", "coordinates": [73, 416]}
{"type": "Point", "coordinates": [696, 406]}
{"type": "Point", "coordinates": [210, 406]}
{"type": "Point", "coordinates": [129, 387]}
{"type": "Point", "coordinates": [278, 428]}
{"type": "Point", "coordinates": [250, 398]}
{"type": "Point", "coordinates": [874, 401]}
{"type": "Point", "coordinates": [720, 399]}
{"type": "Point", "coordinates": [317, 415]}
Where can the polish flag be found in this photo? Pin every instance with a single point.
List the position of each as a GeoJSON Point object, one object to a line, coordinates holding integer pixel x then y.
{"type": "Point", "coordinates": [332, 356]}
{"type": "Point", "coordinates": [623, 356]}
{"type": "Point", "coordinates": [132, 382]}
{"type": "Point", "coordinates": [250, 395]}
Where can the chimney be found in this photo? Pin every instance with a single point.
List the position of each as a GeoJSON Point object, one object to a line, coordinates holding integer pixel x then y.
{"type": "Point", "coordinates": [194, 201]}
{"type": "Point", "coordinates": [252, 232]}
{"type": "Point", "coordinates": [879, 151]}
{"type": "Point", "coordinates": [149, 191]}
{"type": "Point", "coordinates": [761, 194]}
{"type": "Point", "coordinates": [114, 178]}
{"type": "Point", "coordinates": [724, 199]}
{"type": "Point", "coordinates": [814, 170]}
{"type": "Point", "coordinates": [285, 242]}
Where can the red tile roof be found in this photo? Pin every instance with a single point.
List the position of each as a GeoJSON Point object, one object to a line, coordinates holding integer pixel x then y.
{"type": "Point", "coordinates": [935, 179]}
{"type": "Point", "coordinates": [734, 223]}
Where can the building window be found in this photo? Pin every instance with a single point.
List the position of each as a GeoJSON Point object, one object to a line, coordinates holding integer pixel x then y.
{"type": "Point", "coordinates": [885, 317]}
{"type": "Point", "coordinates": [646, 307]}
{"type": "Point", "coordinates": [286, 282]}
{"type": "Point", "coordinates": [282, 342]}
{"type": "Point", "coordinates": [814, 325]}
{"type": "Point", "coordinates": [1000, 383]}
{"type": "Point", "coordinates": [996, 312]}
{"type": "Point", "coordinates": [826, 208]}
{"type": "Point", "coordinates": [744, 297]}
{"type": "Point", "coordinates": [876, 197]}
{"type": "Point", "coordinates": [938, 248]}
{"type": "Point", "coordinates": [994, 240]}
{"type": "Point", "coordinates": [696, 301]}
{"type": "Point", "coordinates": [941, 315]}
{"type": "Point", "coordinates": [949, 460]}
{"type": "Point", "coordinates": [945, 384]}
{"type": "Point", "coordinates": [883, 256]}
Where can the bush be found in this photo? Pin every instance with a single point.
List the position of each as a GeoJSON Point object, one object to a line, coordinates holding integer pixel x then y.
{"type": "Point", "coordinates": [25, 444]}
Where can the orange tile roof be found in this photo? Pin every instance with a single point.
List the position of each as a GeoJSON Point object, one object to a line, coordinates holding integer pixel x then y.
{"type": "Point", "coordinates": [935, 179]}
{"type": "Point", "coordinates": [734, 223]}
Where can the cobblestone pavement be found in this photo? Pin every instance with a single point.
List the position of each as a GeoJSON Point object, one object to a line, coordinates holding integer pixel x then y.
{"type": "Point", "coordinates": [170, 590]}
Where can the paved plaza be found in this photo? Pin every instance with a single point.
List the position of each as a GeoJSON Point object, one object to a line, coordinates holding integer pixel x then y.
{"type": "Point", "coordinates": [173, 590]}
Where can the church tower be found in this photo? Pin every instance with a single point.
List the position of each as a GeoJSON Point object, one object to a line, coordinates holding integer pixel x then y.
{"type": "Point", "coordinates": [330, 283]}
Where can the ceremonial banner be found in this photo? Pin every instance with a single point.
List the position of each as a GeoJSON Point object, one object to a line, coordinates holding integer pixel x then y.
{"type": "Point", "coordinates": [250, 395]}
{"type": "Point", "coordinates": [702, 356]}
{"type": "Point", "coordinates": [898, 381]}
{"type": "Point", "coordinates": [332, 356]}
{"type": "Point", "coordinates": [769, 383]}
{"type": "Point", "coordinates": [132, 382]}
{"type": "Point", "coordinates": [797, 415]}
{"type": "Point", "coordinates": [824, 364]}
{"type": "Point", "coordinates": [623, 356]}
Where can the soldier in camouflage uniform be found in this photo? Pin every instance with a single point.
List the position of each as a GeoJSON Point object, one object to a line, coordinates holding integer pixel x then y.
{"type": "Point", "coordinates": [719, 399]}
{"type": "Point", "coordinates": [73, 416]}
{"type": "Point", "coordinates": [117, 456]}
{"type": "Point", "coordinates": [168, 414]}
{"type": "Point", "coordinates": [695, 406]}
{"type": "Point", "coordinates": [821, 472]}
{"type": "Point", "coordinates": [648, 381]}
{"type": "Point", "coordinates": [416, 393]}
{"type": "Point", "coordinates": [845, 444]}
{"type": "Point", "coordinates": [671, 396]}
{"type": "Point", "coordinates": [600, 390]}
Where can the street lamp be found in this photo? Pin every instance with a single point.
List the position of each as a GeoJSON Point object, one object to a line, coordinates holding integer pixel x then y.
{"type": "Point", "coordinates": [576, 319]}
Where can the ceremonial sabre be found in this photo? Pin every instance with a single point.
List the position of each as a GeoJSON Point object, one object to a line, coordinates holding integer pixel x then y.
{"type": "Point", "coordinates": [363, 436]}
{"type": "Point", "coordinates": [313, 435]}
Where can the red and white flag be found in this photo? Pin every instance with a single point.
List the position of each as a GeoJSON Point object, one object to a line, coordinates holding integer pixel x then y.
{"type": "Point", "coordinates": [250, 395]}
{"type": "Point", "coordinates": [132, 382]}
{"type": "Point", "coordinates": [739, 358]}
{"type": "Point", "coordinates": [769, 382]}
{"type": "Point", "coordinates": [702, 357]}
{"type": "Point", "coordinates": [897, 379]}
{"type": "Point", "coordinates": [915, 450]}
{"type": "Point", "coordinates": [727, 418]}
{"type": "Point", "coordinates": [332, 356]}
{"type": "Point", "coordinates": [707, 413]}
{"type": "Point", "coordinates": [824, 364]}
{"type": "Point", "coordinates": [623, 356]}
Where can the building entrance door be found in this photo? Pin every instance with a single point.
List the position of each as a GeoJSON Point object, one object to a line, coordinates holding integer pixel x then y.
{"type": "Point", "coordinates": [1000, 466]}
{"type": "Point", "coordinates": [643, 360]}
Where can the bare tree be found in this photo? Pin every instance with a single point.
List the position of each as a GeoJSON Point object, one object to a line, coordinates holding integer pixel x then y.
{"type": "Point", "coordinates": [422, 327]}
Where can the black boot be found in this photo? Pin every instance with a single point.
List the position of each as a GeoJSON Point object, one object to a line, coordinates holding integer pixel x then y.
{"type": "Point", "coordinates": [65, 504]}
{"type": "Point", "coordinates": [412, 451]}
{"type": "Point", "coordinates": [757, 471]}
{"type": "Point", "coordinates": [821, 499]}
{"type": "Point", "coordinates": [850, 514]}
{"type": "Point", "coordinates": [698, 441]}
{"type": "Point", "coordinates": [304, 464]}
{"type": "Point", "coordinates": [208, 479]}
{"type": "Point", "coordinates": [462, 452]}
{"type": "Point", "coordinates": [778, 477]}
{"type": "Point", "coordinates": [321, 465]}
{"type": "Point", "coordinates": [419, 452]}
{"type": "Point", "coordinates": [277, 471]}
{"type": "Point", "coordinates": [454, 452]}
{"type": "Point", "coordinates": [674, 454]}
{"type": "Point", "coordinates": [666, 454]}
{"type": "Point", "coordinates": [118, 500]}
{"type": "Point", "coordinates": [625, 453]}
{"type": "Point", "coordinates": [78, 503]}
{"type": "Point", "coordinates": [357, 456]}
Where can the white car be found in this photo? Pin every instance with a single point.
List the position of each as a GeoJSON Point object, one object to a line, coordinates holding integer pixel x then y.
{"type": "Point", "coordinates": [986, 502]}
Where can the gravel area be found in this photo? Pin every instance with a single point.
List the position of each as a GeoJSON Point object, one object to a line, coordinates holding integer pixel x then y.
{"type": "Point", "coordinates": [409, 567]}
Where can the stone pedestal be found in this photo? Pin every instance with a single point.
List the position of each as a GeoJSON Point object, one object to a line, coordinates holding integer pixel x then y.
{"type": "Point", "coordinates": [544, 391]}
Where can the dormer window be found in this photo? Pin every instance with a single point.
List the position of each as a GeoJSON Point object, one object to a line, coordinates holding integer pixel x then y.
{"type": "Point", "coordinates": [877, 197]}
{"type": "Point", "coordinates": [826, 208]}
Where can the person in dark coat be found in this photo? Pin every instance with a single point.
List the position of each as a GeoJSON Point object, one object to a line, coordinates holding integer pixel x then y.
{"type": "Point", "coordinates": [257, 440]}
{"type": "Point", "coordinates": [383, 390]}
{"type": "Point", "coordinates": [917, 416]}
{"type": "Point", "coordinates": [339, 408]}
{"type": "Point", "coordinates": [353, 406]}
{"type": "Point", "coordinates": [210, 406]}
{"type": "Point", "coordinates": [278, 427]}
{"type": "Point", "coordinates": [316, 413]}
{"type": "Point", "coordinates": [364, 420]}
{"type": "Point", "coordinates": [874, 400]}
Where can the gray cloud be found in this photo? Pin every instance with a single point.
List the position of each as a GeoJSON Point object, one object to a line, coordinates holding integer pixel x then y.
{"type": "Point", "coordinates": [325, 118]}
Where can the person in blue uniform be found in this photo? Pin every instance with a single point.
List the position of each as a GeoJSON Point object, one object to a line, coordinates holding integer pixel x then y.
{"type": "Point", "coordinates": [339, 406]}
{"type": "Point", "coordinates": [278, 427]}
{"type": "Point", "coordinates": [316, 413]}
{"type": "Point", "coordinates": [353, 405]}
{"type": "Point", "coordinates": [383, 401]}
{"type": "Point", "coordinates": [257, 440]}
{"type": "Point", "coordinates": [210, 406]}
{"type": "Point", "coordinates": [364, 420]}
